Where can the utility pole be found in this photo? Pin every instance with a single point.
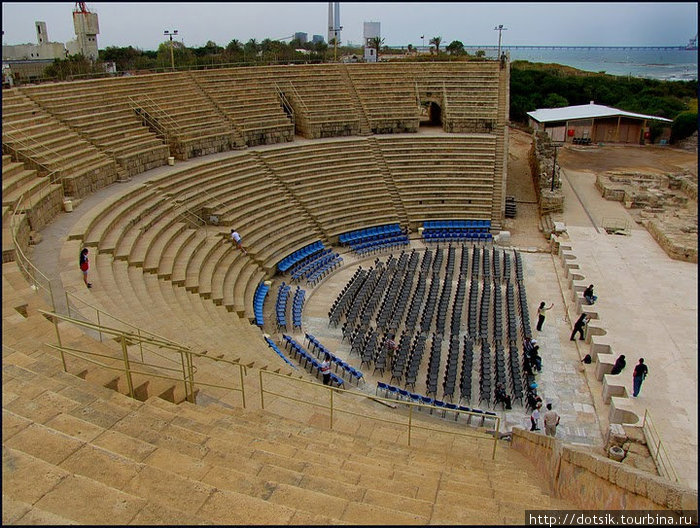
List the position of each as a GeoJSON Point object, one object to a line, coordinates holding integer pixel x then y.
{"type": "Point", "coordinates": [172, 56]}
{"type": "Point", "coordinates": [422, 37]}
{"type": "Point", "coordinates": [500, 29]}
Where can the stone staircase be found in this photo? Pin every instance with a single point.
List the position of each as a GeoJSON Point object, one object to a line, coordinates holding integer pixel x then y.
{"type": "Point", "coordinates": [389, 180]}
{"type": "Point", "coordinates": [66, 441]}
{"type": "Point", "coordinates": [365, 128]}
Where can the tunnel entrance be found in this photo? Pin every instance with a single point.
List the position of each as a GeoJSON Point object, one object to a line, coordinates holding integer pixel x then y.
{"type": "Point", "coordinates": [431, 114]}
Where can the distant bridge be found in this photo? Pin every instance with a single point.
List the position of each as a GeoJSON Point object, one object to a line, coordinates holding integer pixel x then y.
{"type": "Point", "coordinates": [506, 47]}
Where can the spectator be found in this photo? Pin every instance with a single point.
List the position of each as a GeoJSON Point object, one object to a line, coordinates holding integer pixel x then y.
{"type": "Point", "coordinates": [236, 239]}
{"type": "Point", "coordinates": [502, 396]}
{"type": "Point", "coordinates": [551, 420]}
{"type": "Point", "coordinates": [540, 312]}
{"type": "Point", "coordinates": [85, 266]}
{"type": "Point", "coordinates": [579, 325]}
{"type": "Point", "coordinates": [535, 359]}
{"type": "Point", "coordinates": [588, 295]}
{"type": "Point", "coordinates": [619, 365]}
{"type": "Point", "coordinates": [638, 376]}
{"type": "Point", "coordinates": [326, 369]}
{"type": "Point", "coordinates": [391, 348]}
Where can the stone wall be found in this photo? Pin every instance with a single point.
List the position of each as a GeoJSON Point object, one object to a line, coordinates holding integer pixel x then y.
{"type": "Point", "coordinates": [592, 482]}
{"type": "Point", "coordinates": [541, 159]}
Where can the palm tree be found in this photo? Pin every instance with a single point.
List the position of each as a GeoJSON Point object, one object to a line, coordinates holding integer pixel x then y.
{"type": "Point", "coordinates": [410, 49]}
{"type": "Point", "coordinates": [376, 43]}
{"type": "Point", "coordinates": [436, 41]}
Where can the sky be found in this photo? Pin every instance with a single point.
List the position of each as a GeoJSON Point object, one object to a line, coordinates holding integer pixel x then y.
{"type": "Point", "coordinates": [141, 24]}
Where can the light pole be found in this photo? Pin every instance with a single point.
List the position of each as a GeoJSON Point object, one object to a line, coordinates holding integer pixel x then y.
{"type": "Point", "coordinates": [336, 30]}
{"type": "Point", "coordinates": [422, 38]}
{"type": "Point", "coordinates": [172, 56]}
{"type": "Point", "coordinates": [554, 165]}
{"type": "Point", "coordinates": [500, 29]}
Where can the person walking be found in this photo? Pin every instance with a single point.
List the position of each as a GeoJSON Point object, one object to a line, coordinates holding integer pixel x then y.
{"type": "Point", "coordinates": [638, 376]}
{"type": "Point", "coordinates": [236, 239]}
{"type": "Point", "coordinates": [85, 266]}
{"type": "Point", "coordinates": [551, 420]}
{"type": "Point", "coordinates": [579, 325]}
{"type": "Point", "coordinates": [541, 312]}
{"type": "Point", "coordinates": [619, 365]}
{"type": "Point", "coordinates": [326, 369]}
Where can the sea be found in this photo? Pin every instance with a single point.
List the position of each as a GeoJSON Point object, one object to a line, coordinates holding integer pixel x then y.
{"type": "Point", "coordinates": [662, 64]}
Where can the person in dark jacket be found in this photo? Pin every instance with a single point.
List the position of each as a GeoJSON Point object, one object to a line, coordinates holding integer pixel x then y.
{"type": "Point", "coordinates": [619, 365]}
{"type": "Point", "coordinates": [638, 376]}
{"type": "Point", "coordinates": [579, 325]}
{"type": "Point", "coordinates": [84, 263]}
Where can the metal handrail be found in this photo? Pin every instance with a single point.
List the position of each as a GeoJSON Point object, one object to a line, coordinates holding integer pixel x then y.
{"type": "Point", "coordinates": [26, 267]}
{"type": "Point", "coordinates": [298, 96]}
{"type": "Point", "coordinates": [653, 439]}
{"type": "Point", "coordinates": [8, 129]}
{"type": "Point", "coordinates": [332, 407]}
{"type": "Point", "coordinates": [160, 119]}
{"type": "Point", "coordinates": [285, 101]}
{"type": "Point", "coordinates": [186, 355]}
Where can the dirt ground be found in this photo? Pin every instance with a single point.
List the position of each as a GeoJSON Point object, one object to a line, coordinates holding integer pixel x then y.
{"type": "Point", "coordinates": [525, 228]}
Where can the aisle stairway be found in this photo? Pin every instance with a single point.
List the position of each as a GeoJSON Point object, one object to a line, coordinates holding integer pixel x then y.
{"type": "Point", "coordinates": [76, 452]}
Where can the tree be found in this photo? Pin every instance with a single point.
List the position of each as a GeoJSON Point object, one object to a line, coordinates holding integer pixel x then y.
{"type": "Point", "coordinates": [684, 125]}
{"type": "Point", "coordinates": [554, 100]}
{"type": "Point", "coordinates": [436, 42]}
{"type": "Point", "coordinates": [376, 43]}
{"type": "Point", "coordinates": [480, 53]}
{"type": "Point", "coordinates": [455, 48]}
{"type": "Point", "coordinates": [410, 49]}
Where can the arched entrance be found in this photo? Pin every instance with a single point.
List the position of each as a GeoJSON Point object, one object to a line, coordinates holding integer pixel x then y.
{"type": "Point", "coordinates": [431, 114]}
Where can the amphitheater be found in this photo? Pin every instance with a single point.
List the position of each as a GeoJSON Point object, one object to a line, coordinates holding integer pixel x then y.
{"type": "Point", "coordinates": [178, 389]}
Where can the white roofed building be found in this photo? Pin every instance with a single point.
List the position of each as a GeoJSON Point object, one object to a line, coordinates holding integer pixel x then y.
{"type": "Point", "coordinates": [593, 123]}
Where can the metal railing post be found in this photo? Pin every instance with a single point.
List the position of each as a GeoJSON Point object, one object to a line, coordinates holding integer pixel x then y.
{"type": "Point", "coordinates": [138, 330]}
{"type": "Point", "coordinates": [410, 421]}
{"type": "Point", "coordinates": [240, 373]}
{"type": "Point", "coordinates": [331, 391]}
{"type": "Point", "coordinates": [191, 370]}
{"type": "Point", "coordinates": [262, 390]}
{"type": "Point", "coordinates": [495, 438]}
{"type": "Point", "coordinates": [100, 325]}
{"type": "Point", "coordinates": [185, 370]}
{"type": "Point", "coordinates": [58, 336]}
{"type": "Point", "coordinates": [126, 367]}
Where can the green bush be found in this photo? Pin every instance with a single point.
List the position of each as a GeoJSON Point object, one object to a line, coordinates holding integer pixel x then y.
{"type": "Point", "coordinates": [684, 125]}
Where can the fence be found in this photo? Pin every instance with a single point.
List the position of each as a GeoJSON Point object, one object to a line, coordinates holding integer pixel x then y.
{"type": "Point", "coordinates": [657, 449]}
{"type": "Point", "coordinates": [332, 407]}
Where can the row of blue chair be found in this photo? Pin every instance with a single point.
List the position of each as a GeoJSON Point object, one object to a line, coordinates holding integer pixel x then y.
{"type": "Point", "coordinates": [402, 394]}
{"type": "Point", "coordinates": [380, 243]}
{"type": "Point", "coordinates": [369, 232]}
{"type": "Point", "coordinates": [297, 307]}
{"type": "Point", "coordinates": [324, 268]}
{"type": "Point", "coordinates": [258, 301]}
{"type": "Point", "coordinates": [317, 348]}
{"type": "Point", "coordinates": [301, 268]}
{"type": "Point", "coordinates": [289, 261]}
{"type": "Point", "coordinates": [274, 347]}
{"type": "Point", "coordinates": [303, 355]}
{"type": "Point", "coordinates": [457, 224]}
{"type": "Point", "coordinates": [452, 235]}
{"type": "Point", "coordinates": [281, 305]}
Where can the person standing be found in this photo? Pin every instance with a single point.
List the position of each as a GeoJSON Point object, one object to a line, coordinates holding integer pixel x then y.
{"type": "Point", "coordinates": [541, 312]}
{"type": "Point", "coordinates": [638, 376]}
{"type": "Point", "coordinates": [551, 420]}
{"type": "Point", "coordinates": [85, 266]}
{"type": "Point", "coordinates": [535, 417]}
{"type": "Point", "coordinates": [236, 239]}
{"type": "Point", "coordinates": [326, 369]}
{"type": "Point", "coordinates": [579, 325]}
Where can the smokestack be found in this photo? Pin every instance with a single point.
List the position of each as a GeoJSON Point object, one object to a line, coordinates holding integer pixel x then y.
{"type": "Point", "coordinates": [336, 20]}
{"type": "Point", "coordinates": [330, 21]}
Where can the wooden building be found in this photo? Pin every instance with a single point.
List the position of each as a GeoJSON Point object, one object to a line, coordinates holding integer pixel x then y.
{"type": "Point", "coordinates": [593, 123]}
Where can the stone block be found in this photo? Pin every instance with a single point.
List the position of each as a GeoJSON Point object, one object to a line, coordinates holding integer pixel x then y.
{"type": "Point", "coordinates": [616, 436]}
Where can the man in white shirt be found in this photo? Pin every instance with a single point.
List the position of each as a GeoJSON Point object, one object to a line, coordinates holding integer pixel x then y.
{"type": "Point", "coordinates": [326, 369]}
{"type": "Point", "coordinates": [236, 239]}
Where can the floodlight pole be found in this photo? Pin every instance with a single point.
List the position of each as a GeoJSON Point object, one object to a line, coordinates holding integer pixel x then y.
{"type": "Point", "coordinates": [172, 56]}
{"type": "Point", "coordinates": [500, 29]}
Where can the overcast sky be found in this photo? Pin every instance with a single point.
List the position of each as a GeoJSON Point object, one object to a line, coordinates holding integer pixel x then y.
{"type": "Point", "coordinates": [141, 24]}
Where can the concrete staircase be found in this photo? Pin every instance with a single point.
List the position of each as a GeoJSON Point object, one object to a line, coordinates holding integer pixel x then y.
{"type": "Point", "coordinates": [365, 128]}
{"type": "Point", "coordinates": [66, 441]}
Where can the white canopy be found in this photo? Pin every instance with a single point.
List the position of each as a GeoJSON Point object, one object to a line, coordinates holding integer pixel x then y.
{"type": "Point", "coordinates": [589, 111]}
